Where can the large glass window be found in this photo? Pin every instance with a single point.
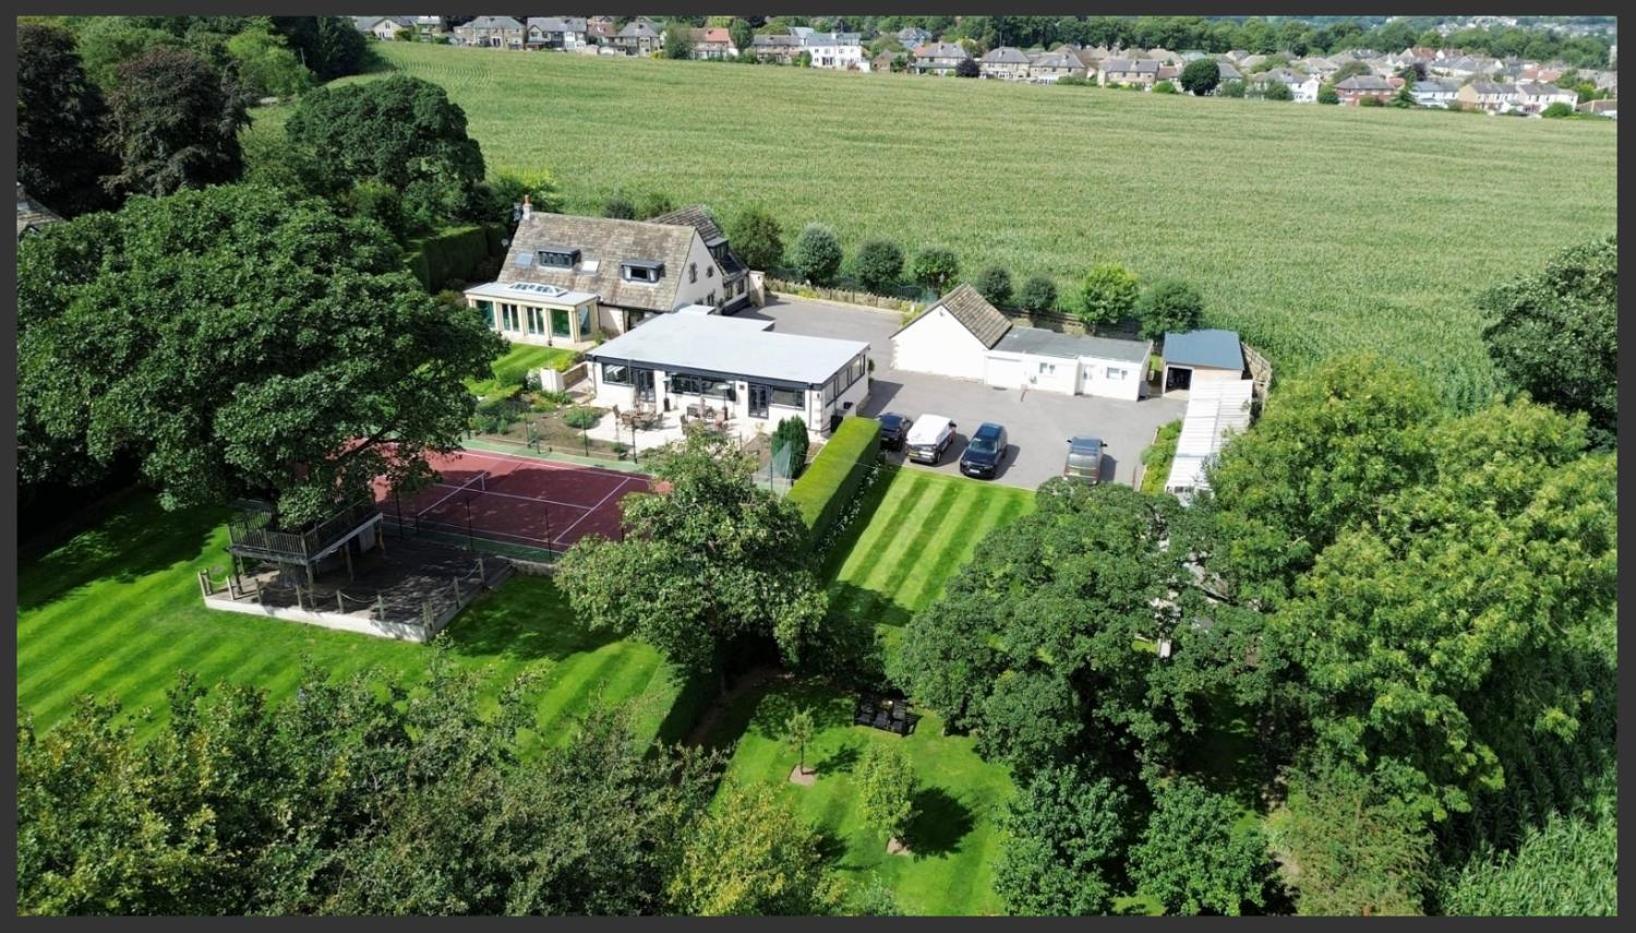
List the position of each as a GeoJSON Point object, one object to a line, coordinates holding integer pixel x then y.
{"type": "Point", "coordinates": [487, 307]}
{"type": "Point", "coordinates": [616, 374]}
{"type": "Point", "coordinates": [685, 384]}
{"type": "Point", "coordinates": [559, 322]}
{"type": "Point", "coordinates": [536, 324]}
{"type": "Point", "coordinates": [584, 322]}
{"type": "Point", "coordinates": [508, 318]}
{"type": "Point", "coordinates": [789, 398]}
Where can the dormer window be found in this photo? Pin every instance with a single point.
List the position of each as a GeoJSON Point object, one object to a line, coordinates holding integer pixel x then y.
{"type": "Point", "coordinates": [557, 257]}
{"type": "Point", "coordinates": [641, 271]}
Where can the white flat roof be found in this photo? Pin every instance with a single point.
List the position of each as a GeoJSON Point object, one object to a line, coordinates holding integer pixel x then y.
{"type": "Point", "coordinates": [529, 291]}
{"type": "Point", "coordinates": [730, 346]}
{"type": "Point", "coordinates": [1214, 407]}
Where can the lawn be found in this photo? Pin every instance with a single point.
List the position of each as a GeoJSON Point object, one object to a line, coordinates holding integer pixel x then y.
{"type": "Point", "coordinates": [116, 612]}
{"type": "Point", "coordinates": [1311, 229]}
{"type": "Point", "coordinates": [953, 841]}
{"type": "Point", "coordinates": [514, 365]}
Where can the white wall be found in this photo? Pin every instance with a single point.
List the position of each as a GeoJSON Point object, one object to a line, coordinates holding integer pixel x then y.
{"type": "Point", "coordinates": [936, 343]}
{"type": "Point", "coordinates": [1094, 379]}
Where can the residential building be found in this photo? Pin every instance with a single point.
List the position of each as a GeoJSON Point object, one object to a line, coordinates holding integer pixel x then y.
{"type": "Point", "coordinates": [1136, 72]}
{"type": "Point", "coordinates": [639, 37]}
{"type": "Point", "coordinates": [563, 33]}
{"type": "Point", "coordinates": [1303, 88]}
{"type": "Point", "coordinates": [836, 51]}
{"type": "Point", "coordinates": [1534, 97]}
{"type": "Point", "coordinates": [734, 274]}
{"type": "Point", "coordinates": [782, 50]}
{"type": "Point", "coordinates": [1199, 356]}
{"type": "Point", "coordinates": [742, 370]}
{"type": "Point", "coordinates": [567, 280]}
{"type": "Point", "coordinates": [714, 43]}
{"type": "Point", "coordinates": [384, 28]}
{"type": "Point", "coordinates": [939, 58]}
{"type": "Point", "coordinates": [1437, 93]}
{"type": "Point", "coordinates": [430, 27]}
{"type": "Point", "coordinates": [600, 30]}
{"type": "Point", "coordinates": [1488, 97]}
{"type": "Point", "coordinates": [1600, 108]}
{"type": "Point", "coordinates": [1318, 66]}
{"type": "Point", "coordinates": [1053, 66]}
{"type": "Point", "coordinates": [31, 215]}
{"type": "Point", "coordinates": [497, 32]}
{"type": "Point", "coordinates": [964, 337]}
{"type": "Point", "coordinates": [1216, 411]}
{"type": "Point", "coordinates": [913, 37]}
{"type": "Point", "coordinates": [1229, 72]}
{"type": "Point", "coordinates": [1004, 63]}
{"type": "Point", "coordinates": [1353, 90]}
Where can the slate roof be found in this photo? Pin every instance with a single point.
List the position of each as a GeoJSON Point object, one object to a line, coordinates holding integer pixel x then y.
{"type": "Point", "coordinates": [1228, 72]}
{"type": "Point", "coordinates": [31, 215]}
{"type": "Point", "coordinates": [607, 242]}
{"type": "Point", "coordinates": [775, 41]}
{"type": "Point", "coordinates": [832, 38]}
{"type": "Point", "coordinates": [1364, 83]}
{"type": "Point", "coordinates": [1487, 88]}
{"type": "Point", "coordinates": [697, 217]}
{"type": "Point", "coordinates": [1138, 66]}
{"type": "Point", "coordinates": [1004, 55]}
{"type": "Point", "coordinates": [1213, 349]}
{"type": "Point", "coordinates": [1059, 59]}
{"type": "Point", "coordinates": [494, 22]}
{"type": "Point", "coordinates": [941, 50]}
{"type": "Point", "coordinates": [638, 29]}
{"type": "Point", "coordinates": [974, 313]}
{"type": "Point", "coordinates": [1040, 342]}
{"type": "Point", "coordinates": [557, 23]}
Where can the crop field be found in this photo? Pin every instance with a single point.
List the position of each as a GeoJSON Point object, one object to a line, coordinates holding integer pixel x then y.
{"type": "Point", "coordinates": [116, 612]}
{"type": "Point", "coordinates": [1310, 229]}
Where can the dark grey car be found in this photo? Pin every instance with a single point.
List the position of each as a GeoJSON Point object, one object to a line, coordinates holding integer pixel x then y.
{"type": "Point", "coordinates": [1084, 459]}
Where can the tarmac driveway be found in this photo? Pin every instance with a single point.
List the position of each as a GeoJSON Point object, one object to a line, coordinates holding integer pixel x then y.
{"type": "Point", "coordinates": [1038, 424]}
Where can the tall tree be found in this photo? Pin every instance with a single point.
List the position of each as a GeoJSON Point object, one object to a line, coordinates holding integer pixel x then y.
{"type": "Point", "coordinates": [176, 123]}
{"type": "Point", "coordinates": [238, 342]}
{"type": "Point", "coordinates": [402, 132]}
{"type": "Point", "coordinates": [61, 123]}
{"type": "Point", "coordinates": [886, 789]}
{"type": "Point", "coordinates": [1197, 856]}
{"type": "Point", "coordinates": [1554, 334]}
{"type": "Point", "coordinates": [713, 564]}
{"type": "Point", "coordinates": [1201, 77]}
{"type": "Point", "coordinates": [1350, 850]}
{"type": "Point", "coordinates": [752, 855]}
{"type": "Point", "coordinates": [106, 42]}
{"type": "Point", "coordinates": [816, 254]}
{"type": "Point", "coordinates": [330, 46]}
{"type": "Point", "coordinates": [266, 65]}
{"type": "Point", "coordinates": [1065, 841]}
{"type": "Point", "coordinates": [1107, 294]}
{"type": "Point", "coordinates": [1169, 306]}
{"type": "Point", "coordinates": [757, 239]}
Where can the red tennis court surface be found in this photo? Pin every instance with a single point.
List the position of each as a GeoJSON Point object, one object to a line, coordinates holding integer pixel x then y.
{"type": "Point", "coordinates": [519, 500]}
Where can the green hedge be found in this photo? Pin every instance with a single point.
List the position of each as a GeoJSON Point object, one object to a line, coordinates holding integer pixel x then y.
{"type": "Point", "coordinates": [830, 482]}
{"type": "Point", "coordinates": [455, 253]}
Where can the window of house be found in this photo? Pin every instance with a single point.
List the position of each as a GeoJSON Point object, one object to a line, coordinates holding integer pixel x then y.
{"type": "Point", "coordinates": [692, 273]}
{"type": "Point", "coordinates": [1047, 369]}
{"type": "Point", "coordinates": [584, 321]}
{"type": "Point", "coordinates": [642, 271]}
{"type": "Point", "coordinates": [1116, 374]}
{"type": "Point", "coordinates": [789, 398]}
{"type": "Point", "coordinates": [508, 317]}
{"type": "Point", "coordinates": [558, 258]}
{"type": "Point", "coordinates": [857, 370]}
{"type": "Point", "coordinates": [709, 272]}
{"type": "Point", "coordinates": [617, 374]}
{"type": "Point", "coordinates": [536, 321]}
{"type": "Point", "coordinates": [487, 308]}
{"type": "Point", "coordinates": [686, 384]}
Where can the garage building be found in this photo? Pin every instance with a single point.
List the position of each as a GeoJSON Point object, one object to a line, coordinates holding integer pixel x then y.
{"type": "Point", "coordinates": [1200, 356]}
{"type": "Point", "coordinates": [964, 337]}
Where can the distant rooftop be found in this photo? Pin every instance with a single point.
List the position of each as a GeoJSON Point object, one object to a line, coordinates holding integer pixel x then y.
{"type": "Point", "coordinates": [1214, 349]}
{"type": "Point", "coordinates": [1041, 342]}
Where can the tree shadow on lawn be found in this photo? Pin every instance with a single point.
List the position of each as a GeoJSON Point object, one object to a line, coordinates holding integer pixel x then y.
{"type": "Point", "coordinates": [843, 543]}
{"type": "Point", "coordinates": [849, 601]}
{"type": "Point", "coordinates": [839, 761]}
{"type": "Point", "coordinates": [940, 822]}
{"type": "Point", "coordinates": [527, 618]}
{"type": "Point", "coordinates": [137, 540]}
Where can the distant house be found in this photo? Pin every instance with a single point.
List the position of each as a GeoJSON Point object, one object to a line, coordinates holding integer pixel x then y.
{"type": "Point", "coordinates": [913, 37]}
{"type": "Point", "coordinates": [782, 50]}
{"type": "Point", "coordinates": [1004, 63]}
{"type": "Point", "coordinates": [492, 32]}
{"type": "Point", "coordinates": [1229, 72]}
{"type": "Point", "coordinates": [1054, 66]}
{"type": "Point", "coordinates": [713, 44]}
{"type": "Point", "coordinates": [1534, 97]}
{"type": "Point", "coordinates": [836, 51]}
{"type": "Point", "coordinates": [1318, 66]}
{"type": "Point", "coordinates": [1439, 94]}
{"type": "Point", "coordinates": [601, 29]}
{"type": "Point", "coordinates": [31, 215]}
{"type": "Point", "coordinates": [965, 337]}
{"type": "Point", "coordinates": [428, 27]}
{"type": "Point", "coordinates": [938, 58]}
{"type": "Point", "coordinates": [639, 37]}
{"type": "Point", "coordinates": [384, 28]}
{"type": "Point", "coordinates": [1303, 88]}
{"type": "Point", "coordinates": [1200, 356]}
{"type": "Point", "coordinates": [1600, 108]}
{"type": "Point", "coordinates": [1488, 97]}
{"type": "Point", "coordinates": [1353, 90]}
{"type": "Point", "coordinates": [564, 33]}
{"type": "Point", "coordinates": [1461, 67]}
{"type": "Point", "coordinates": [1135, 72]}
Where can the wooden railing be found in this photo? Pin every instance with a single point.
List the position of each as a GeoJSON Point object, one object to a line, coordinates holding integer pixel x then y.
{"type": "Point", "coordinates": [304, 545]}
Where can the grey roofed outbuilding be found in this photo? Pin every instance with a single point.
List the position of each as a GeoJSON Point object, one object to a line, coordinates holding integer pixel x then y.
{"type": "Point", "coordinates": [966, 305]}
{"type": "Point", "coordinates": [1212, 349]}
{"type": "Point", "coordinates": [1040, 342]}
{"type": "Point", "coordinates": [750, 349]}
{"type": "Point", "coordinates": [609, 243]}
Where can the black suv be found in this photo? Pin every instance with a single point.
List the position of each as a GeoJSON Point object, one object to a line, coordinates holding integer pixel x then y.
{"type": "Point", "coordinates": [893, 429]}
{"type": "Point", "coordinates": [984, 451]}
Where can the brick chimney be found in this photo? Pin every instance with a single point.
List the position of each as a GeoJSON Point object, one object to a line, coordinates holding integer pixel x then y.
{"type": "Point", "coordinates": [528, 209]}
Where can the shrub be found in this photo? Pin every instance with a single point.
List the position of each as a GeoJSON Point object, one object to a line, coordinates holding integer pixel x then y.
{"type": "Point", "coordinates": [833, 478]}
{"type": "Point", "coordinates": [1169, 305]}
{"type": "Point", "coordinates": [1038, 294]}
{"type": "Point", "coordinates": [1107, 294]}
{"type": "Point", "coordinates": [756, 239]}
{"type": "Point", "coordinates": [935, 268]}
{"type": "Point", "coordinates": [457, 253]}
{"type": "Point", "coordinates": [879, 265]}
{"type": "Point", "coordinates": [655, 204]}
{"type": "Point", "coordinates": [1074, 81]}
{"type": "Point", "coordinates": [792, 433]}
{"type": "Point", "coordinates": [1327, 95]}
{"type": "Point", "coordinates": [817, 254]}
{"type": "Point", "coordinates": [619, 207]}
{"type": "Point", "coordinates": [581, 417]}
{"type": "Point", "coordinates": [1558, 110]}
{"type": "Point", "coordinates": [1371, 102]}
{"type": "Point", "coordinates": [1201, 76]}
{"type": "Point", "coordinates": [1278, 90]}
{"type": "Point", "coordinates": [1234, 88]}
{"type": "Point", "coordinates": [995, 285]}
{"type": "Point", "coordinates": [1164, 87]}
{"type": "Point", "coordinates": [968, 68]}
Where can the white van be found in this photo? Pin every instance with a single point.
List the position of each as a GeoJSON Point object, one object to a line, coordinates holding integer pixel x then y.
{"type": "Point", "coordinates": [929, 438]}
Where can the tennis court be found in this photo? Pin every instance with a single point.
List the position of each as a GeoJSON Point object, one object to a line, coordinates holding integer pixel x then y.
{"type": "Point", "coordinates": [517, 500]}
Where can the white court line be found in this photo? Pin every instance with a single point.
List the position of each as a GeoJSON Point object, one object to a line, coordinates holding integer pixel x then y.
{"type": "Point", "coordinates": [508, 495]}
{"type": "Point", "coordinates": [610, 495]}
{"type": "Point", "coordinates": [548, 464]}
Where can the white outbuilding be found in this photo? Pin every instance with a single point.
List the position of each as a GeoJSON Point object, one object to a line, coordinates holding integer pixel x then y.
{"type": "Point", "coordinates": [1216, 409]}
{"type": "Point", "coordinates": [964, 337]}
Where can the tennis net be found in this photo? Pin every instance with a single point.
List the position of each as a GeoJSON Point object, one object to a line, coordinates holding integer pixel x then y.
{"type": "Point", "coordinates": [478, 483]}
